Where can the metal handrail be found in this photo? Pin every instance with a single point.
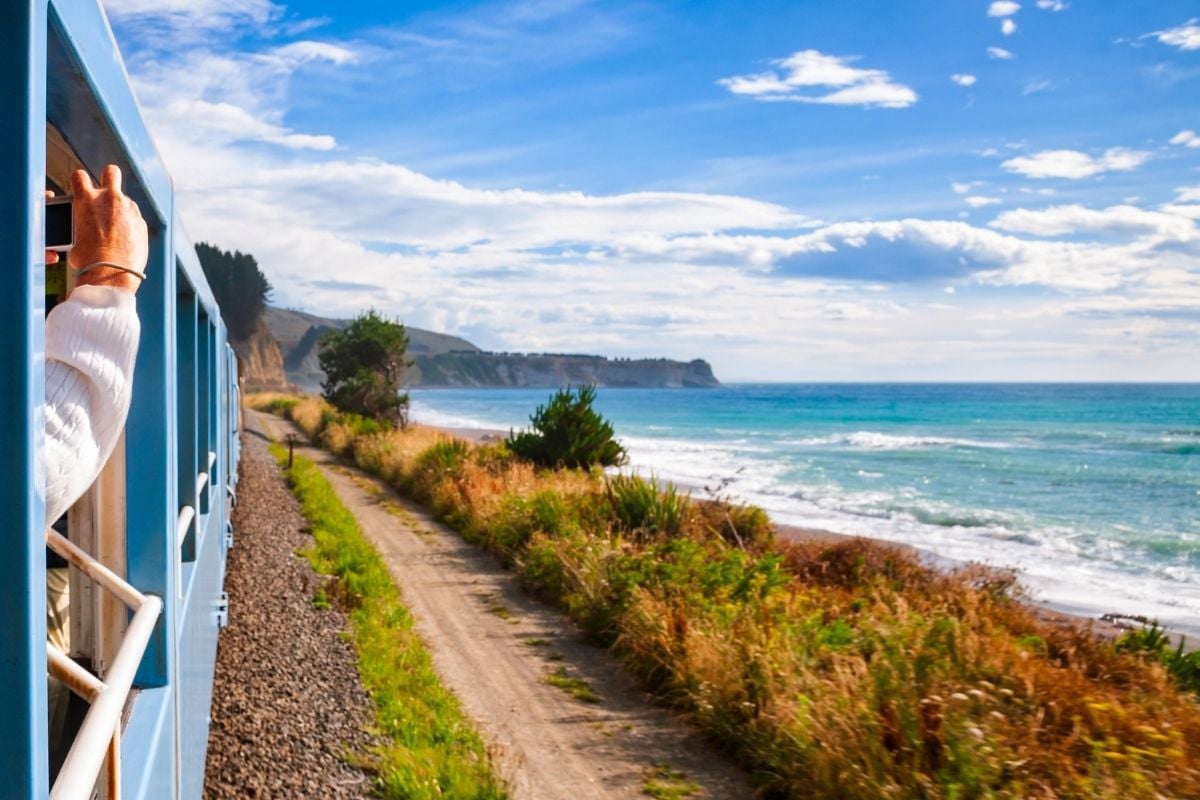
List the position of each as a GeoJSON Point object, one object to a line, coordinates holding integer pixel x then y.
{"type": "Point", "coordinates": [99, 736]}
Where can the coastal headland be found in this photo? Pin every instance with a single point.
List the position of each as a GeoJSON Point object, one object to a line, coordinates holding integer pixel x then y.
{"type": "Point", "coordinates": [283, 351]}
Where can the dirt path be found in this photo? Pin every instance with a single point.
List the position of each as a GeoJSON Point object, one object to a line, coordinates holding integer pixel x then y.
{"type": "Point", "coordinates": [494, 647]}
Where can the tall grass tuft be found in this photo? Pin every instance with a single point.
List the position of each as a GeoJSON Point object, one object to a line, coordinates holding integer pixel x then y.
{"type": "Point", "coordinates": [641, 508]}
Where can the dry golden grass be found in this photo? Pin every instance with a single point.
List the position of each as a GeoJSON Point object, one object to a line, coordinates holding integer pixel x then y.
{"type": "Point", "coordinates": [832, 670]}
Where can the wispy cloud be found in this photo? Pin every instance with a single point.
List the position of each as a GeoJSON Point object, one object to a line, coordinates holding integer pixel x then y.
{"type": "Point", "coordinates": [1037, 85]}
{"type": "Point", "coordinates": [980, 201]}
{"type": "Point", "coordinates": [1003, 8]}
{"type": "Point", "coordinates": [811, 70]}
{"type": "Point", "coordinates": [163, 25]}
{"type": "Point", "coordinates": [999, 53]}
{"type": "Point", "coordinates": [1185, 36]}
{"type": "Point", "coordinates": [1074, 219]}
{"type": "Point", "coordinates": [963, 79]}
{"type": "Point", "coordinates": [1186, 138]}
{"type": "Point", "coordinates": [1076, 165]}
{"type": "Point", "coordinates": [1052, 5]}
{"type": "Point", "coordinates": [1008, 27]}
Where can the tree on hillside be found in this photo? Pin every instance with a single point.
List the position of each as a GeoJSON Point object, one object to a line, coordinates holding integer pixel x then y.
{"type": "Point", "coordinates": [242, 291]}
{"type": "Point", "coordinates": [363, 364]}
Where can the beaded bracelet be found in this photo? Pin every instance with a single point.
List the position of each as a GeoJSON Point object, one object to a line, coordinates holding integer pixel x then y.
{"type": "Point", "coordinates": [122, 267]}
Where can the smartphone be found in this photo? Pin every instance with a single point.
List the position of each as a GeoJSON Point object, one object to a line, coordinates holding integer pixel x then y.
{"type": "Point", "coordinates": [60, 224]}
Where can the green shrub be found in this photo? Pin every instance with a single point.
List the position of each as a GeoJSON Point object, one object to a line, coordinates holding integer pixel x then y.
{"type": "Point", "coordinates": [568, 432]}
{"type": "Point", "coordinates": [1153, 641]}
{"type": "Point", "coordinates": [643, 510]}
{"type": "Point", "coordinates": [280, 406]}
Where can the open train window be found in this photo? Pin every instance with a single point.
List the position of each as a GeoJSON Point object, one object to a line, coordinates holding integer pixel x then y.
{"type": "Point", "coordinates": [83, 620]}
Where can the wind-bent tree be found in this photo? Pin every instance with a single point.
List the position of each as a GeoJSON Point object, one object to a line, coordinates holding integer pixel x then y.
{"type": "Point", "coordinates": [363, 365]}
{"type": "Point", "coordinates": [241, 290]}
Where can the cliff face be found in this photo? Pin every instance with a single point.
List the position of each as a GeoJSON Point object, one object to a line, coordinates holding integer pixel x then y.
{"type": "Point", "coordinates": [443, 360]}
{"type": "Point", "coordinates": [260, 361]}
{"type": "Point", "coordinates": [298, 333]}
{"type": "Point", "coordinates": [551, 371]}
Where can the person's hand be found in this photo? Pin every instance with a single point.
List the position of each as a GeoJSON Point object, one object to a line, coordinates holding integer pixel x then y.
{"type": "Point", "coordinates": [108, 227]}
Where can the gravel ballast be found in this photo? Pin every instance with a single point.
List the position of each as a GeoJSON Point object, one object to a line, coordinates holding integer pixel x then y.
{"type": "Point", "coordinates": [288, 706]}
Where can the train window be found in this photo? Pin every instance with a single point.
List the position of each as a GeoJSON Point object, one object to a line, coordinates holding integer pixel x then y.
{"type": "Point", "coordinates": [83, 621]}
{"type": "Point", "coordinates": [201, 472]}
{"type": "Point", "coordinates": [187, 319]}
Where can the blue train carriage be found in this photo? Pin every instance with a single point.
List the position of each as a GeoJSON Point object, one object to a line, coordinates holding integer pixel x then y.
{"type": "Point", "coordinates": [118, 705]}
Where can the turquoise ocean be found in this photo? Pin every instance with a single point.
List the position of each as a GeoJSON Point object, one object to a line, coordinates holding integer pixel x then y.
{"type": "Point", "coordinates": [1091, 492]}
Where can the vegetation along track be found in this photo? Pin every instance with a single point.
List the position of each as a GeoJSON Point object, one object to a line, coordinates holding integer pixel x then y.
{"type": "Point", "coordinates": [561, 718]}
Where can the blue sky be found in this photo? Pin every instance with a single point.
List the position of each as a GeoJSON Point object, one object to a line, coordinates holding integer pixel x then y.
{"type": "Point", "coordinates": [937, 190]}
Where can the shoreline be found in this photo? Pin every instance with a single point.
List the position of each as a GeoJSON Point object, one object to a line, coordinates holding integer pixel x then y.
{"type": "Point", "coordinates": [1065, 613]}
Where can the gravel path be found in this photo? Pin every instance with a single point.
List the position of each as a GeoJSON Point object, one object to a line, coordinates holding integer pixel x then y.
{"type": "Point", "coordinates": [287, 702]}
{"type": "Point", "coordinates": [493, 646]}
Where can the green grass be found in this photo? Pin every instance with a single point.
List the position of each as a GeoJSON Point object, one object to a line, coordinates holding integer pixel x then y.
{"type": "Point", "coordinates": [665, 783]}
{"type": "Point", "coordinates": [576, 687]}
{"type": "Point", "coordinates": [431, 749]}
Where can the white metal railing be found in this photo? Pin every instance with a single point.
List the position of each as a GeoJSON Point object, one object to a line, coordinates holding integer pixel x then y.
{"type": "Point", "coordinates": [184, 521]}
{"type": "Point", "coordinates": [99, 737]}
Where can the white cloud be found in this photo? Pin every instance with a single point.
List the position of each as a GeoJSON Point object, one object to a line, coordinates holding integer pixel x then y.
{"type": "Point", "coordinates": [963, 79]}
{"type": "Point", "coordinates": [1052, 5]}
{"type": "Point", "coordinates": [1008, 27]}
{"type": "Point", "coordinates": [1074, 219]}
{"type": "Point", "coordinates": [808, 70]}
{"type": "Point", "coordinates": [647, 272]}
{"type": "Point", "coordinates": [229, 123]}
{"type": "Point", "coordinates": [1003, 8]}
{"type": "Point", "coordinates": [297, 53]}
{"type": "Point", "coordinates": [1185, 36]}
{"type": "Point", "coordinates": [166, 24]}
{"type": "Point", "coordinates": [1186, 138]}
{"type": "Point", "coordinates": [1037, 85]}
{"type": "Point", "coordinates": [1075, 165]}
{"type": "Point", "coordinates": [1000, 53]}
{"type": "Point", "coordinates": [979, 201]}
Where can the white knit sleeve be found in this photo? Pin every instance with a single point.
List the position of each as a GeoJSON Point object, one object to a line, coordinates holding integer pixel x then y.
{"type": "Point", "coordinates": [91, 345]}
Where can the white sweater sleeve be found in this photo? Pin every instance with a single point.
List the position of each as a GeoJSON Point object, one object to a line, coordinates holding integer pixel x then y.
{"type": "Point", "coordinates": [91, 345]}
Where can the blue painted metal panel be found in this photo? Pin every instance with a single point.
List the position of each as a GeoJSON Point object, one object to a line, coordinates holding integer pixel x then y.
{"type": "Point", "coordinates": [150, 442]}
{"type": "Point", "coordinates": [197, 653]}
{"type": "Point", "coordinates": [148, 746]}
{"type": "Point", "coordinates": [23, 759]}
